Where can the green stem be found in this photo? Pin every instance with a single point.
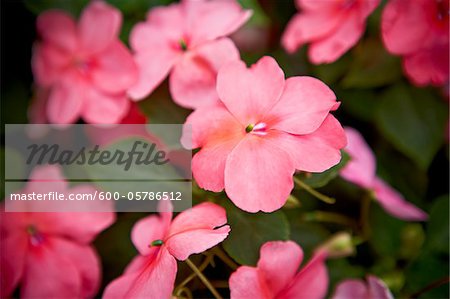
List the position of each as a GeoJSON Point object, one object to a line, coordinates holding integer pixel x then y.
{"type": "Point", "coordinates": [313, 192]}
{"type": "Point", "coordinates": [203, 279]}
{"type": "Point", "coordinates": [178, 290]}
{"type": "Point", "coordinates": [330, 217]}
{"type": "Point", "coordinates": [225, 258]}
{"type": "Point", "coordinates": [435, 284]}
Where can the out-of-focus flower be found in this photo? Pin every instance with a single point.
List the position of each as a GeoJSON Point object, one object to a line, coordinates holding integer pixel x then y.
{"type": "Point", "coordinates": [263, 129]}
{"type": "Point", "coordinates": [419, 31]}
{"type": "Point", "coordinates": [361, 170]}
{"type": "Point", "coordinates": [277, 276]}
{"type": "Point", "coordinates": [49, 254]}
{"type": "Point", "coordinates": [160, 241]}
{"type": "Point", "coordinates": [331, 27]}
{"type": "Point", "coordinates": [356, 288]}
{"type": "Point", "coordinates": [189, 41]}
{"type": "Point", "coordinates": [84, 66]}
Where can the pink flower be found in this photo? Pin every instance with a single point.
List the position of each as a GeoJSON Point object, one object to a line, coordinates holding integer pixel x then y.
{"type": "Point", "coordinates": [85, 67]}
{"type": "Point", "coordinates": [188, 40]}
{"type": "Point", "coordinates": [160, 241]}
{"type": "Point", "coordinates": [361, 170]}
{"type": "Point", "coordinates": [276, 276]}
{"type": "Point", "coordinates": [49, 254]}
{"type": "Point", "coordinates": [263, 129]}
{"type": "Point", "coordinates": [331, 27]}
{"type": "Point", "coordinates": [419, 31]}
{"type": "Point", "coordinates": [355, 288]}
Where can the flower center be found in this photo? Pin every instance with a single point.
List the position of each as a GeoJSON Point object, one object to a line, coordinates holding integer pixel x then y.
{"type": "Point", "coordinates": [183, 45]}
{"type": "Point", "coordinates": [156, 243]}
{"type": "Point", "coordinates": [36, 238]}
{"type": "Point", "coordinates": [258, 129]}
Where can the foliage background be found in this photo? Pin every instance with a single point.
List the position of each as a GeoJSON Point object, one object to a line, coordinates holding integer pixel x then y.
{"type": "Point", "coordinates": [406, 127]}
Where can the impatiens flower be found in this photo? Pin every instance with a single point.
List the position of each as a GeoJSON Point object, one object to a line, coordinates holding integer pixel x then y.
{"type": "Point", "coordinates": [160, 241]}
{"type": "Point", "coordinates": [277, 275]}
{"type": "Point", "coordinates": [331, 27]}
{"type": "Point", "coordinates": [84, 66]}
{"type": "Point", "coordinates": [356, 288]}
{"type": "Point", "coordinates": [189, 41]}
{"type": "Point", "coordinates": [361, 170]}
{"type": "Point", "coordinates": [419, 32]}
{"type": "Point", "coordinates": [262, 130]}
{"type": "Point", "coordinates": [49, 254]}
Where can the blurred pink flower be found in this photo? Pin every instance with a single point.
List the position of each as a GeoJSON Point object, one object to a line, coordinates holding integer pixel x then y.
{"type": "Point", "coordinates": [331, 27]}
{"type": "Point", "coordinates": [419, 31]}
{"type": "Point", "coordinates": [49, 254]}
{"type": "Point", "coordinates": [85, 67]}
{"type": "Point", "coordinates": [356, 288]}
{"type": "Point", "coordinates": [160, 241]}
{"type": "Point", "coordinates": [188, 40]}
{"type": "Point", "coordinates": [361, 170]}
{"type": "Point", "coordinates": [263, 129]}
{"type": "Point", "coordinates": [276, 276]}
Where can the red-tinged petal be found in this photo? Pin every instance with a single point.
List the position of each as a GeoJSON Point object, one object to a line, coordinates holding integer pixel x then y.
{"type": "Point", "coordinates": [258, 175]}
{"type": "Point", "coordinates": [13, 249]}
{"type": "Point", "coordinates": [279, 262]}
{"type": "Point", "coordinates": [404, 26]}
{"type": "Point", "coordinates": [115, 70]}
{"type": "Point", "coordinates": [149, 229]}
{"type": "Point", "coordinates": [378, 289]}
{"type": "Point", "coordinates": [48, 63]}
{"type": "Point", "coordinates": [303, 106]}
{"type": "Point", "coordinates": [351, 288]}
{"type": "Point", "coordinates": [330, 48]}
{"type": "Point", "coordinates": [103, 108]}
{"type": "Point", "coordinates": [247, 283]}
{"type": "Point", "coordinates": [366, 7]}
{"type": "Point", "coordinates": [394, 203]}
{"type": "Point", "coordinates": [196, 230]}
{"type": "Point", "coordinates": [99, 26]}
{"type": "Point", "coordinates": [311, 282]}
{"type": "Point", "coordinates": [250, 93]}
{"type": "Point", "coordinates": [193, 79]}
{"type": "Point", "coordinates": [314, 152]}
{"type": "Point", "coordinates": [58, 28]}
{"type": "Point", "coordinates": [208, 20]}
{"type": "Point", "coordinates": [361, 168]}
{"type": "Point", "coordinates": [155, 280]}
{"type": "Point", "coordinates": [314, 5]}
{"type": "Point", "coordinates": [50, 273]}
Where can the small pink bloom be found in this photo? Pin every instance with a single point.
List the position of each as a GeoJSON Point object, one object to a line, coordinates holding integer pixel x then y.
{"type": "Point", "coordinates": [85, 67]}
{"type": "Point", "coordinates": [189, 41]}
{"type": "Point", "coordinates": [331, 27]}
{"type": "Point", "coordinates": [277, 276]}
{"type": "Point", "coordinates": [356, 288]}
{"type": "Point", "coordinates": [49, 254]}
{"type": "Point", "coordinates": [160, 241]}
{"type": "Point", "coordinates": [419, 32]}
{"type": "Point", "coordinates": [264, 128]}
{"type": "Point", "coordinates": [361, 170]}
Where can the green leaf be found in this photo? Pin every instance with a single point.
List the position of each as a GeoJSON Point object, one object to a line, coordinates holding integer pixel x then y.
{"type": "Point", "coordinates": [259, 17]}
{"type": "Point", "coordinates": [250, 231]}
{"type": "Point", "coordinates": [73, 6]}
{"type": "Point", "coordinates": [438, 226]}
{"type": "Point", "coordinates": [360, 103]}
{"type": "Point", "coordinates": [413, 121]}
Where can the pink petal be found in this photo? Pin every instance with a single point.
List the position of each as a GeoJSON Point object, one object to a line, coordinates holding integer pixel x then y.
{"type": "Point", "coordinates": [193, 79]}
{"type": "Point", "coordinates": [37, 109]}
{"type": "Point", "coordinates": [57, 28]}
{"type": "Point", "coordinates": [330, 48]}
{"type": "Point", "coordinates": [311, 282]}
{"type": "Point", "coordinates": [115, 70]}
{"type": "Point", "coordinates": [155, 56]}
{"type": "Point", "coordinates": [249, 168]}
{"type": "Point", "coordinates": [351, 288]}
{"type": "Point", "coordinates": [279, 262]}
{"type": "Point", "coordinates": [404, 26]}
{"type": "Point", "coordinates": [314, 152]}
{"type": "Point", "coordinates": [169, 19]}
{"type": "Point", "coordinates": [48, 63]}
{"type": "Point", "coordinates": [13, 251]}
{"type": "Point", "coordinates": [303, 106]}
{"type": "Point", "coordinates": [361, 168]}
{"type": "Point", "coordinates": [314, 5]}
{"type": "Point", "coordinates": [209, 20]}
{"type": "Point", "coordinates": [66, 101]}
{"type": "Point", "coordinates": [246, 282]}
{"type": "Point", "coordinates": [394, 203]}
{"type": "Point", "coordinates": [155, 280]}
{"type": "Point", "coordinates": [250, 93]}
{"type": "Point", "coordinates": [103, 108]}
{"type": "Point", "coordinates": [147, 230]}
{"type": "Point", "coordinates": [99, 26]}
{"type": "Point", "coordinates": [196, 230]}
{"type": "Point", "coordinates": [378, 289]}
